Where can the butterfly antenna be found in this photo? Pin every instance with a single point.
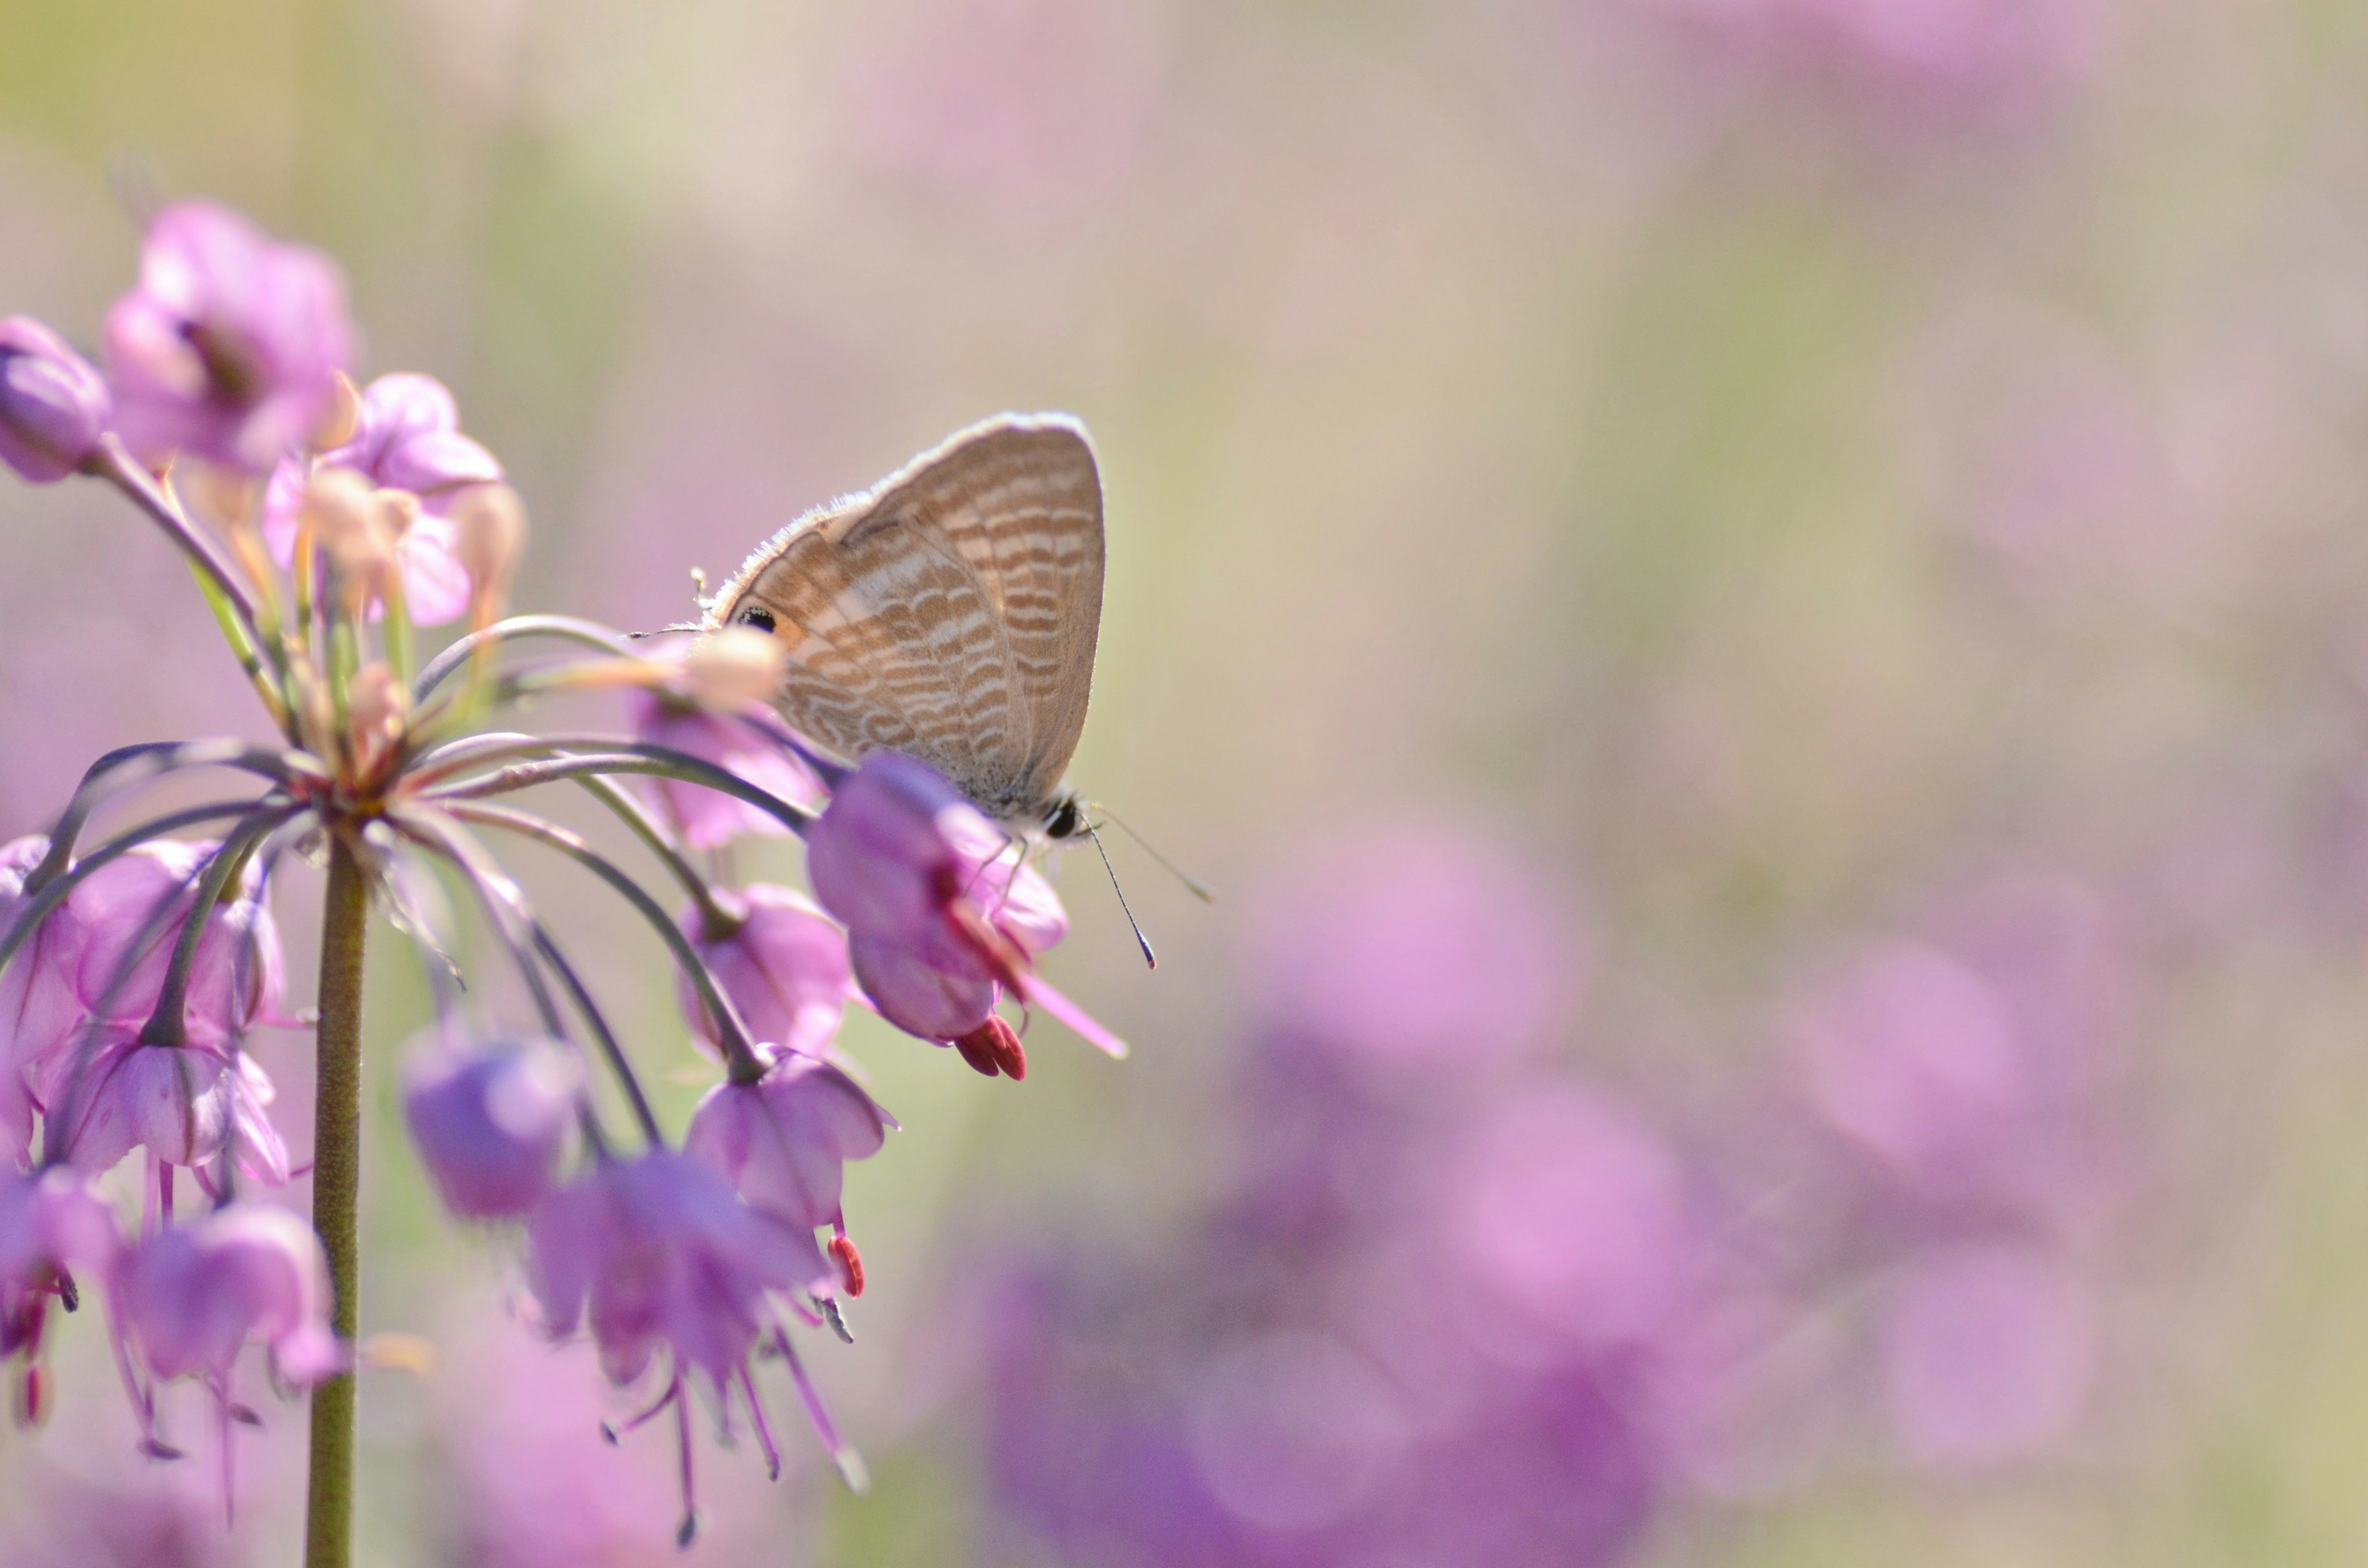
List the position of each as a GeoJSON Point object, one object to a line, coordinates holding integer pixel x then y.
{"type": "Point", "coordinates": [1140, 940]}
{"type": "Point", "coordinates": [1203, 895]}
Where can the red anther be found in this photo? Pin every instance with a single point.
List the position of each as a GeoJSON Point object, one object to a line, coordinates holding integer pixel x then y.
{"type": "Point", "coordinates": [977, 1048]}
{"type": "Point", "coordinates": [851, 1264]}
{"type": "Point", "coordinates": [32, 1397]}
{"type": "Point", "coordinates": [993, 1048]}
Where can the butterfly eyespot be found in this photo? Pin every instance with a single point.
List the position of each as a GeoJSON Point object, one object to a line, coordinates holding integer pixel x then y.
{"type": "Point", "coordinates": [756, 616]}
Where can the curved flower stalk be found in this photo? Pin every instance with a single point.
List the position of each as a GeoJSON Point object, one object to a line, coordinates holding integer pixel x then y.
{"type": "Point", "coordinates": [325, 525]}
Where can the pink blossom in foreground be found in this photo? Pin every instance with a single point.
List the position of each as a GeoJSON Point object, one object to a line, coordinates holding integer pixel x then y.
{"type": "Point", "coordinates": [938, 919]}
{"type": "Point", "coordinates": [88, 966]}
{"type": "Point", "coordinates": [655, 1253]}
{"type": "Point", "coordinates": [409, 439]}
{"type": "Point", "coordinates": [785, 968]}
{"type": "Point", "coordinates": [229, 347]}
{"type": "Point", "coordinates": [195, 1295]}
{"type": "Point", "coordinates": [54, 405]}
{"type": "Point", "coordinates": [183, 1104]}
{"type": "Point", "coordinates": [54, 1232]}
{"type": "Point", "coordinates": [783, 1141]}
{"type": "Point", "coordinates": [490, 1121]}
{"type": "Point", "coordinates": [703, 818]}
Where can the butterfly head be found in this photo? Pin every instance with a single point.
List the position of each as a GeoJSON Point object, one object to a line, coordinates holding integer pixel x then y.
{"type": "Point", "coordinates": [1065, 816]}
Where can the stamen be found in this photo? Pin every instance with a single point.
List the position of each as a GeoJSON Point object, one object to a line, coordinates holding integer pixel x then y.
{"type": "Point", "coordinates": [757, 1419]}
{"type": "Point", "coordinates": [689, 1531]}
{"type": "Point", "coordinates": [850, 1263]}
{"type": "Point", "coordinates": [850, 1462]}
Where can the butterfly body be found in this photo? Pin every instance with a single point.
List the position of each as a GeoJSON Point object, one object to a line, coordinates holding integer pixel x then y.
{"type": "Point", "coordinates": [950, 613]}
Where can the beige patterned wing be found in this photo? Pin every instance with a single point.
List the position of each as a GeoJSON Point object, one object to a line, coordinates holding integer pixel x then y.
{"type": "Point", "coordinates": [951, 613]}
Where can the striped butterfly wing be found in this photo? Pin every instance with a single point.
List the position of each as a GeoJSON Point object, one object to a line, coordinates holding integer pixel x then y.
{"type": "Point", "coordinates": [950, 613]}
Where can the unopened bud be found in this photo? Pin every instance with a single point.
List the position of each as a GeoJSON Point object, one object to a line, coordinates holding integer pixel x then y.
{"type": "Point", "coordinates": [488, 537]}
{"type": "Point", "coordinates": [342, 418]}
{"type": "Point", "coordinates": [731, 668]}
{"type": "Point", "coordinates": [377, 704]}
{"type": "Point", "coordinates": [356, 534]}
{"type": "Point", "coordinates": [54, 405]}
{"type": "Point", "coordinates": [223, 496]}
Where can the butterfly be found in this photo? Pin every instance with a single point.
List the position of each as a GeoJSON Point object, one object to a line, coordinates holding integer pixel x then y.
{"type": "Point", "coordinates": [950, 613]}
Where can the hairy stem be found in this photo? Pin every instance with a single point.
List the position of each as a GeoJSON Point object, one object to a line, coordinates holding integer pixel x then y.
{"type": "Point", "coordinates": [336, 1191]}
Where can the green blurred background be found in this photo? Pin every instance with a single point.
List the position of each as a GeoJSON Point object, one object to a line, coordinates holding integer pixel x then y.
{"type": "Point", "coordinates": [1757, 464]}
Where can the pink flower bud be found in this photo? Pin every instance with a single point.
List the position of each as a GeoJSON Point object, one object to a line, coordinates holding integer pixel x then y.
{"type": "Point", "coordinates": [229, 349]}
{"type": "Point", "coordinates": [195, 1294]}
{"type": "Point", "coordinates": [406, 437]}
{"type": "Point", "coordinates": [490, 1120]}
{"type": "Point", "coordinates": [54, 405]}
{"type": "Point", "coordinates": [785, 968]}
{"type": "Point", "coordinates": [783, 1141]}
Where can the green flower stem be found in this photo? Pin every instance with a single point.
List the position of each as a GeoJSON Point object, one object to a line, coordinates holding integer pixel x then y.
{"type": "Point", "coordinates": [337, 1195]}
{"type": "Point", "coordinates": [612, 1048]}
{"type": "Point", "coordinates": [739, 1056]}
{"type": "Point", "coordinates": [169, 1024]}
{"type": "Point", "coordinates": [618, 756]}
{"type": "Point", "coordinates": [53, 893]}
{"type": "Point", "coordinates": [114, 463]}
{"type": "Point", "coordinates": [717, 918]}
{"type": "Point", "coordinates": [128, 766]}
{"type": "Point", "coordinates": [566, 627]}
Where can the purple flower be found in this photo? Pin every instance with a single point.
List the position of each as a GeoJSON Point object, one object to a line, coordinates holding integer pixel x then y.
{"type": "Point", "coordinates": [656, 1251]}
{"type": "Point", "coordinates": [183, 1104]}
{"type": "Point", "coordinates": [195, 1294]}
{"type": "Point", "coordinates": [50, 1224]}
{"type": "Point", "coordinates": [936, 924]}
{"type": "Point", "coordinates": [704, 819]}
{"type": "Point", "coordinates": [82, 969]}
{"type": "Point", "coordinates": [54, 405]}
{"type": "Point", "coordinates": [490, 1120]}
{"type": "Point", "coordinates": [409, 439]}
{"type": "Point", "coordinates": [785, 969]}
{"type": "Point", "coordinates": [782, 1140]}
{"type": "Point", "coordinates": [229, 349]}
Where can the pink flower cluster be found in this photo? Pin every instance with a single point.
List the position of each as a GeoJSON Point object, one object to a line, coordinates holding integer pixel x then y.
{"type": "Point", "coordinates": [87, 1041]}
{"type": "Point", "coordinates": [328, 522]}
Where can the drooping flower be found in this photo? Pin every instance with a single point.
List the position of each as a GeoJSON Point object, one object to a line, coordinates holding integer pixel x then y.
{"type": "Point", "coordinates": [939, 920]}
{"type": "Point", "coordinates": [54, 405]}
{"type": "Point", "coordinates": [784, 966]}
{"type": "Point", "coordinates": [703, 818]}
{"type": "Point", "coordinates": [490, 1120]}
{"type": "Point", "coordinates": [192, 1295]}
{"type": "Point", "coordinates": [229, 347]}
{"type": "Point", "coordinates": [655, 1253]}
{"type": "Point", "coordinates": [183, 1104]}
{"type": "Point", "coordinates": [96, 963]}
{"type": "Point", "coordinates": [783, 1142]}
{"type": "Point", "coordinates": [408, 440]}
{"type": "Point", "coordinates": [52, 1227]}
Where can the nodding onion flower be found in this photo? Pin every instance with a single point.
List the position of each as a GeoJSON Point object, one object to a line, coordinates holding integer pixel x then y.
{"type": "Point", "coordinates": [325, 524]}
